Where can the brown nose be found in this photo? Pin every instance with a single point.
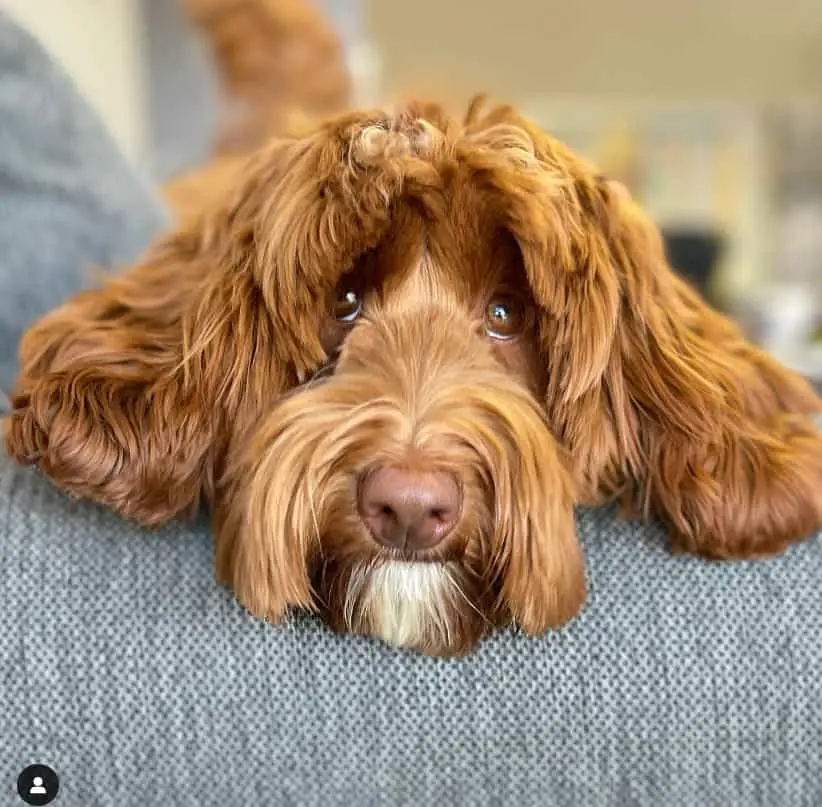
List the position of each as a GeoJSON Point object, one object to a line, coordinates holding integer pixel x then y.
{"type": "Point", "coordinates": [408, 510]}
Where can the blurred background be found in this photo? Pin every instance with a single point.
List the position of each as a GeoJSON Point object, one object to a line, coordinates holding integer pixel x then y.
{"type": "Point", "coordinates": [710, 111]}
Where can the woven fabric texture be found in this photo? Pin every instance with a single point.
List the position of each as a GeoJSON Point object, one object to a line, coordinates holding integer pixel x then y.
{"type": "Point", "coordinates": [127, 669]}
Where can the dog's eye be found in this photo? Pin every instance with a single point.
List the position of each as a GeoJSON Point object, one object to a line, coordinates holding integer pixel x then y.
{"type": "Point", "coordinates": [348, 306]}
{"type": "Point", "coordinates": [504, 317]}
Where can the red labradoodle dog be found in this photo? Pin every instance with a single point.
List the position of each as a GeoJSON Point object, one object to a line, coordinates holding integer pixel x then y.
{"type": "Point", "coordinates": [393, 358]}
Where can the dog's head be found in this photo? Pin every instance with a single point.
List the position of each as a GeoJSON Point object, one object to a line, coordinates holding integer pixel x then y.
{"type": "Point", "coordinates": [394, 358]}
{"type": "Point", "coordinates": [409, 484]}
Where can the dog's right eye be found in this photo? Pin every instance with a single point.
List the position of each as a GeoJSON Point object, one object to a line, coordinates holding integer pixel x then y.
{"type": "Point", "coordinates": [504, 317]}
{"type": "Point", "coordinates": [348, 306]}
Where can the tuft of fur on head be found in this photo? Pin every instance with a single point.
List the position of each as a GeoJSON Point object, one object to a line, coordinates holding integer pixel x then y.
{"type": "Point", "coordinates": [432, 295]}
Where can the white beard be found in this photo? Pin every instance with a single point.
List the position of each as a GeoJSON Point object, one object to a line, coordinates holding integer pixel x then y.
{"type": "Point", "coordinates": [405, 604]}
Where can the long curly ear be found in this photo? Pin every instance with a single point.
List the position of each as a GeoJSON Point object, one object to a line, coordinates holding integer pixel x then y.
{"type": "Point", "coordinates": [129, 393]}
{"type": "Point", "coordinates": [720, 439]}
{"type": "Point", "coordinates": [661, 400]}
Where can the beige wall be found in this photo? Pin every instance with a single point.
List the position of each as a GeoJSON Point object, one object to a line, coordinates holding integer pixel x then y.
{"type": "Point", "coordinates": [746, 49]}
{"type": "Point", "coordinates": [564, 60]}
{"type": "Point", "coordinates": [98, 43]}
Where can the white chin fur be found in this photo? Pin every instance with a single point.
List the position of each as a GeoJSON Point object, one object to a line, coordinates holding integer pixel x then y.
{"type": "Point", "coordinates": [405, 604]}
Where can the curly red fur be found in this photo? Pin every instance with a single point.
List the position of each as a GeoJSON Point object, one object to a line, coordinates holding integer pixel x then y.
{"type": "Point", "coordinates": [278, 62]}
{"type": "Point", "coordinates": [274, 59]}
{"type": "Point", "coordinates": [215, 371]}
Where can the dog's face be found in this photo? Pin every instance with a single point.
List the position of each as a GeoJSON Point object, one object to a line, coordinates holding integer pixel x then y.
{"type": "Point", "coordinates": [393, 359]}
{"type": "Point", "coordinates": [413, 489]}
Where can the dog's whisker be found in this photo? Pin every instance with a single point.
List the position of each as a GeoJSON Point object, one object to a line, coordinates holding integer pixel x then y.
{"type": "Point", "coordinates": [466, 599]}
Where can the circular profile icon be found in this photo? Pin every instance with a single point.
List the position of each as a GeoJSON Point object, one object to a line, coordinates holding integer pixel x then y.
{"type": "Point", "coordinates": [38, 784]}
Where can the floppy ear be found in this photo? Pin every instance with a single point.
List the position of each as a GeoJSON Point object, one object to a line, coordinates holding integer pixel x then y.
{"type": "Point", "coordinates": [661, 399]}
{"type": "Point", "coordinates": [129, 393]}
{"type": "Point", "coordinates": [722, 442]}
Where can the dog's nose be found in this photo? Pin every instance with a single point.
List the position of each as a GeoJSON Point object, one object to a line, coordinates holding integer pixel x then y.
{"type": "Point", "coordinates": [406, 510]}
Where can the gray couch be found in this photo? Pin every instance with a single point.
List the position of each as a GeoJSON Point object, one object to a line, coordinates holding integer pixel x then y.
{"type": "Point", "coordinates": [128, 670]}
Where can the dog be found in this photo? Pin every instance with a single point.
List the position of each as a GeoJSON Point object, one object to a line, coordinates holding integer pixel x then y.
{"type": "Point", "coordinates": [393, 356]}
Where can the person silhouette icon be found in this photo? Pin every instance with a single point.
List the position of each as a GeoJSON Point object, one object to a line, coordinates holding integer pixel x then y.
{"type": "Point", "coordinates": [38, 785]}
{"type": "Point", "coordinates": [37, 788]}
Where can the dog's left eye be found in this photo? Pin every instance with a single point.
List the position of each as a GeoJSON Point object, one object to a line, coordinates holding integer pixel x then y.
{"type": "Point", "coordinates": [348, 306]}
{"type": "Point", "coordinates": [504, 317]}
